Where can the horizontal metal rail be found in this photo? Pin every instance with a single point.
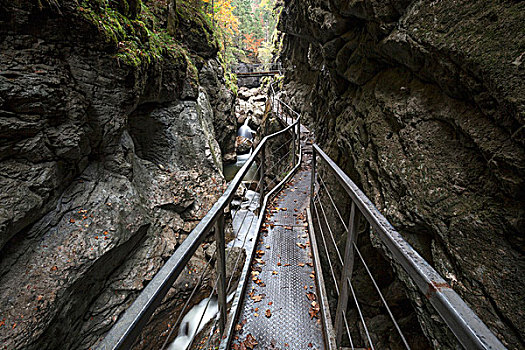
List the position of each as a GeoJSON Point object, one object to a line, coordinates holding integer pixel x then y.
{"type": "Point", "coordinates": [470, 331]}
{"type": "Point", "coordinates": [124, 333]}
{"type": "Point", "coordinates": [258, 74]}
{"type": "Point", "coordinates": [236, 307]}
{"type": "Point", "coordinates": [258, 70]}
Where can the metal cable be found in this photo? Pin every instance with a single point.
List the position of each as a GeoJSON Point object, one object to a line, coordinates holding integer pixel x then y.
{"type": "Point", "coordinates": [257, 172]}
{"type": "Point", "coordinates": [348, 331]}
{"type": "Point", "coordinates": [366, 267]}
{"type": "Point", "coordinates": [275, 181]}
{"type": "Point", "coordinates": [326, 249]}
{"type": "Point", "coordinates": [360, 314]}
{"type": "Point", "coordinates": [203, 313]}
{"type": "Point", "coordinates": [244, 243]}
{"type": "Point", "coordinates": [333, 203]}
{"type": "Point", "coordinates": [332, 272]}
{"type": "Point", "coordinates": [189, 299]}
{"type": "Point", "coordinates": [201, 277]}
{"type": "Point", "coordinates": [382, 298]}
{"type": "Point", "coordinates": [331, 234]}
{"type": "Point", "coordinates": [282, 145]}
{"type": "Point", "coordinates": [236, 263]}
{"type": "Point", "coordinates": [238, 256]}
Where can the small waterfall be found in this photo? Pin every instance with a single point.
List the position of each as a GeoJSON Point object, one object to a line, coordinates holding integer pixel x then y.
{"type": "Point", "coordinates": [188, 326]}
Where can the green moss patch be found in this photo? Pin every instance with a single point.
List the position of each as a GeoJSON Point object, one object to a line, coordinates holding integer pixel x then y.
{"type": "Point", "coordinates": [133, 29]}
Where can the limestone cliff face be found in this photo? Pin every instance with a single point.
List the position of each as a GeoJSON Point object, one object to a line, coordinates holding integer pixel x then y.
{"type": "Point", "coordinates": [105, 167]}
{"type": "Point", "coordinates": [422, 103]}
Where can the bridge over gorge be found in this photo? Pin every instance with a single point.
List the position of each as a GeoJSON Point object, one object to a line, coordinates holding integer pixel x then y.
{"type": "Point", "coordinates": [281, 300]}
{"type": "Point", "coordinates": [258, 70]}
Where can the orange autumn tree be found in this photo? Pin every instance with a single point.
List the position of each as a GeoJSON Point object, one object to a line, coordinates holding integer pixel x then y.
{"type": "Point", "coordinates": [224, 18]}
{"type": "Point", "coordinates": [252, 44]}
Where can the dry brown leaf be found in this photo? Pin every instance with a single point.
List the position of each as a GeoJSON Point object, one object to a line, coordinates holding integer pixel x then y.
{"type": "Point", "coordinates": [311, 296]}
{"type": "Point", "coordinates": [257, 298]}
{"type": "Point", "coordinates": [250, 341]}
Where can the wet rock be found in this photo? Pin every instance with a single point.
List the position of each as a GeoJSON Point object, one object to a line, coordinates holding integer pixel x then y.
{"type": "Point", "coordinates": [422, 105]}
{"type": "Point", "coordinates": [104, 170]}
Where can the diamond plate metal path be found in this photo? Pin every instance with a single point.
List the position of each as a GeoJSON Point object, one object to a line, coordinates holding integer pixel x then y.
{"type": "Point", "coordinates": [282, 277]}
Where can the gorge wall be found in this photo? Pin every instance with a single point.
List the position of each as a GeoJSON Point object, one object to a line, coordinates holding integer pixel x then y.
{"type": "Point", "coordinates": [422, 104]}
{"type": "Point", "coordinates": [113, 119]}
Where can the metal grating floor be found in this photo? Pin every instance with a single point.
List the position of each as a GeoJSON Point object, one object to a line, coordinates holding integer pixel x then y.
{"type": "Point", "coordinates": [284, 278]}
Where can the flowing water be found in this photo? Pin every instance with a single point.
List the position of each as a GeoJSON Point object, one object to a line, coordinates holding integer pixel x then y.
{"type": "Point", "coordinates": [188, 327]}
{"type": "Point", "coordinates": [244, 222]}
{"type": "Point", "coordinates": [230, 170]}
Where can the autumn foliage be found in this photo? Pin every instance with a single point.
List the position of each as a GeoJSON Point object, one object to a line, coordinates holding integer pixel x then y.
{"type": "Point", "coordinates": [224, 17]}
{"type": "Point", "coordinates": [252, 44]}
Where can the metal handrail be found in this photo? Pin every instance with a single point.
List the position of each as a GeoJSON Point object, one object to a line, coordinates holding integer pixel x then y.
{"type": "Point", "coordinates": [237, 303]}
{"type": "Point", "coordinates": [126, 330]}
{"type": "Point", "coordinates": [468, 328]}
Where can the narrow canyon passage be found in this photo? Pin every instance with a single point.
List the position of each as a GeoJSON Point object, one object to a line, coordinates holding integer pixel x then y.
{"type": "Point", "coordinates": [120, 140]}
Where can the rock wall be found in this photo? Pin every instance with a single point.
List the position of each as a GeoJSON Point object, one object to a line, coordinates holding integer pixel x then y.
{"type": "Point", "coordinates": [422, 104]}
{"type": "Point", "coordinates": [105, 166]}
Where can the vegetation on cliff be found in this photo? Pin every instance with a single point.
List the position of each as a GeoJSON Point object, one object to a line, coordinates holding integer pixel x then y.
{"type": "Point", "coordinates": [137, 31]}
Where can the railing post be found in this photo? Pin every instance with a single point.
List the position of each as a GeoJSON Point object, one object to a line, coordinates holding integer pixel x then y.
{"type": "Point", "coordinates": [312, 181]}
{"type": "Point", "coordinates": [346, 274]}
{"type": "Point", "coordinates": [298, 134]}
{"type": "Point", "coordinates": [261, 176]}
{"type": "Point", "coordinates": [221, 271]}
{"type": "Point", "coordinates": [293, 146]}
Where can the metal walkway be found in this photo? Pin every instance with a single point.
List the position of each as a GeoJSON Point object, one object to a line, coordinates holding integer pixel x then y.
{"type": "Point", "coordinates": [277, 310]}
{"type": "Point", "coordinates": [281, 301]}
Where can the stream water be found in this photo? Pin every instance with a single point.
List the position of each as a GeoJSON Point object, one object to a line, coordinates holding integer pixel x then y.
{"type": "Point", "coordinates": [230, 170]}
{"type": "Point", "coordinates": [188, 326]}
{"type": "Point", "coordinates": [244, 223]}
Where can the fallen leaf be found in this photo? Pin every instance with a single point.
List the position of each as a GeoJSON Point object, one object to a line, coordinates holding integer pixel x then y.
{"type": "Point", "coordinates": [274, 272]}
{"type": "Point", "coordinates": [279, 264]}
{"type": "Point", "coordinates": [301, 264]}
{"type": "Point", "coordinates": [72, 220]}
{"type": "Point", "coordinates": [257, 298]}
{"type": "Point", "coordinates": [311, 296]}
{"type": "Point", "coordinates": [268, 313]}
{"type": "Point", "coordinates": [314, 310]}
